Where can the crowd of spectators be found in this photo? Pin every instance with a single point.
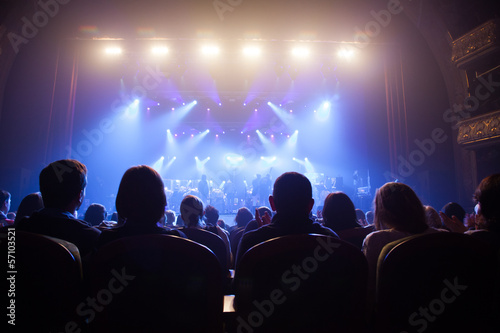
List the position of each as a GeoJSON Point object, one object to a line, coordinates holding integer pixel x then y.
{"type": "Point", "coordinates": [142, 208]}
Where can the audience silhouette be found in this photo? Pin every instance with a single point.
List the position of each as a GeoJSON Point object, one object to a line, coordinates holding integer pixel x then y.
{"type": "Point", "coordinates": [62, 185]}
{"type": "Point", "coordinates": [292, 200]}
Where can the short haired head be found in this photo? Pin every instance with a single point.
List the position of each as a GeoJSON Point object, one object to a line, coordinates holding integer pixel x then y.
{"type": "Point", "coordinates": [398, 206]}
{"type": "Point", "coordinates": [292, 194]}
{"type": "Point", "coordinates": [212, 215]}
{"type": "Point", "coordinates": [170, 220]}
{"type": "Point", "coordinates": [141, 195]}
{"type": "Point", "coordinates": [61, 182]}
{"type": "Point", "coordinates": [454, 209]}
{"type": "Point", "coordinates": [263, 210]}
{"type": "Point", "coordinates": [95, 214]}
{"type": "Point", "coordinates": [488, 196]}
{"type": "Point", "coordinates": [191, 210]}
{"type": "Point", "coordinates": [243, 216]}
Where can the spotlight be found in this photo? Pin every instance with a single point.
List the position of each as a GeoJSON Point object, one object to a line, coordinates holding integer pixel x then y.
{"type": "Point", "coordinates": [210, 50]}
{"type": "Point", "coordinates": [252, 51]}
{"type": "Point", "coordinates": [326, 105]}
{"type": "Point", "coordinates": [159, 50]}
{"type": "Point", "coordinates": [300, 52]}
{"type": "Point", "coordinates": [347, 54]}
{"type": "Point", "coordinates": [113, 50]}
{"type": "Point", "coordinates": [195, 102]}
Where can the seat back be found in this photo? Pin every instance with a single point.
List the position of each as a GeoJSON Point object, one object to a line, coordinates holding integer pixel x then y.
{"type": "Point", "coordinates": [156, 283]}
{"type": "Point", "coordinates": [235, 238]}
{"type": "Point", "coordinates": [440, 282]}
{"type": "Point", "coordinates": [47, 281]}
{"type": "Point", "coordinates": [210, 240]}
{"type": "Point", "coordinates": [301, 283]}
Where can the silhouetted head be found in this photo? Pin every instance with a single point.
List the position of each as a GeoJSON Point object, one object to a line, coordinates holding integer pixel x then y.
{"type": "Point", "coordinates": [453, 209]}
{"type": "Point", "coordinates": [212, 215]}
{"type": "Point", "coordinates": [141, 196]}
{"type": "Point", "coordinates": [487, 195]}
{"type": "Point", "coordinates": [95, 214]}
{"type": "Point", "coordinates": [30, 204]}
{"type": "Point", "coordinates": [398, 206]}
{"type": "Point", "coordinates": [243, 216]}
{"type": "Point", "coordinates": [191, 210]}
{"type": "Point", "coordinates": [432, 217]}
{"type": "Point", "coordinates": [292, 195]}
{"type": "Point", "coordinates": [63, 183]}
{"type": "Point", "coordinates": [338, 212]}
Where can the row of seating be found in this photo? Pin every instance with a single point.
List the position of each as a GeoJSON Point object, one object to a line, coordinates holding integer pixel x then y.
{"type": "Point", "coordinates": [299, 283]}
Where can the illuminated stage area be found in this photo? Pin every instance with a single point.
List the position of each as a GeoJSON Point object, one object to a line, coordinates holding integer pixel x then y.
{"type": "Point", "coordinates": [348, 97]}
{"type": "Point", "coordinates": [264, 108]}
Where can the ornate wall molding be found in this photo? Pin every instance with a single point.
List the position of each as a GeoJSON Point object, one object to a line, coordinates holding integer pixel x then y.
{"type": "Point", "coordinates": [476, 44]}
{"type": "Point", "coordinates": [483, 129]}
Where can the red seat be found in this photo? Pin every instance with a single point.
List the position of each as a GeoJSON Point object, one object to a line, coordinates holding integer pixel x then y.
{"type": "Point", "coordinates": [48, 284]}
{"type": "Point", "coordinates": [440, 282]}
{"type": "Point", "coordinates": [156, 283]}
{"type": "Point", "coordinates": [301, 283]}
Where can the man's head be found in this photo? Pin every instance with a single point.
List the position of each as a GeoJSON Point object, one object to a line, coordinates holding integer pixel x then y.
{"type": "Point", "coordinates": [212, 215]}
{"type": "Point", "coordinates": [62, 184]}
{"type": "Point", "coordinates": [4, 201]}
{"type": "Point", "coordinates": [292, 194]}
{"type": "Point", "coordinates": [141, 195]}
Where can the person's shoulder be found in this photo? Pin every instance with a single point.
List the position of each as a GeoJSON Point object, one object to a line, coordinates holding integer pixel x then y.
{"type": "Point", "coordinates": [321, 229]}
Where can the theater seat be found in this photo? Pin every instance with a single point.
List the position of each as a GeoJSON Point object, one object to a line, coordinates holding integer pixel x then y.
{"type": "Point", "coordinates": [440, 282]}
{"type": "Point", "coordinates": [301, 283]}
{"type": "Point", "coordinates": [210, 240]}
{"type": "Point", "coordinates": [156, 283]}
{"type": "Point", "coordinates": [48, 282]}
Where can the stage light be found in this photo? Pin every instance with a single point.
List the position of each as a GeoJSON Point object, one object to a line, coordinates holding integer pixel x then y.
{"type": "Point", "coordinates": [346, 53]}
{"type": "Point", "coordinates": [136, 101]}
{"type": "Point", "coordinates": [216, 135]}
{"type": "Point", "coordinates": [326, 105]}
{"type": "Point", "coordinates": [159, 50]}
{"type": "Point", "coordinates": [168, 131]}
{"type": "Point", "coordinates": [210, 50]}
{"type": "Point", "coordinates": [255, 110]}
{"type": "Point", "coordinates": [252, 51]}
{"type": "Point", "coordinates": [300, 52]}
{"type": "Point", "coordinates": [269, 103]}
{"type": "Point", "coordinates": [196, 157]}
{"type": "Point", "coordinates": [195, 102]}
{"type": "Point", "coordinates": [113, 50]}
{"type": "Point", "coordinates": [173, 109]}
